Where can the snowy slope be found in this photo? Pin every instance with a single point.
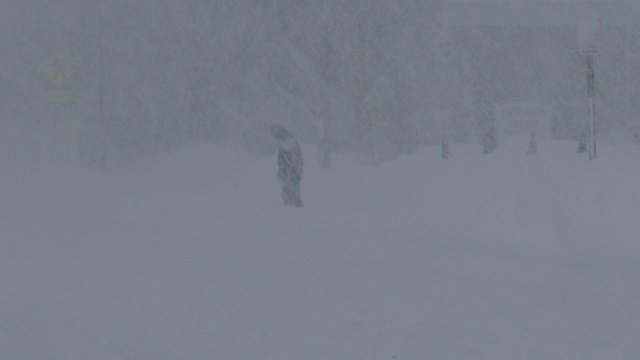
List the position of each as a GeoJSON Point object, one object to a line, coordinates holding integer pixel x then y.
{"type": "Point", "coordinates": [478, 257]}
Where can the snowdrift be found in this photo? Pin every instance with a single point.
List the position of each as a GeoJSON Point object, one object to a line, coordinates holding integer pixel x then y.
{"type": "Point", "coordinates": [505, 256]}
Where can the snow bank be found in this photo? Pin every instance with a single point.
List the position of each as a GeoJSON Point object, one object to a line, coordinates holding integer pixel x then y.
{"type": "Point", "coordinates": [504, 256]}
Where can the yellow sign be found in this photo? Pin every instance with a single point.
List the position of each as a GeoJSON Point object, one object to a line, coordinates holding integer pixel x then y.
{"type": "Point", "coordinates": [57, 69]}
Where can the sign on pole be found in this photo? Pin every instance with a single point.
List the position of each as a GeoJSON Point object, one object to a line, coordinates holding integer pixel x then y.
{"type": "Point", "coordinates": [523, 116]}
{"type": "Point", "coordinates": [57, 69]}
{"type": "Point", "coordinates": [589, 37]}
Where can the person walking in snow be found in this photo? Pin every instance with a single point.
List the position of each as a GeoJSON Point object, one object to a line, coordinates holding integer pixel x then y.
{"type": "Point", "coordinates": [290, 164]}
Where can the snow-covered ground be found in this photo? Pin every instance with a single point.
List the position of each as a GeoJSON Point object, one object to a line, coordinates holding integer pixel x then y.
{"type": "Point", "coordinates": [505, 256]}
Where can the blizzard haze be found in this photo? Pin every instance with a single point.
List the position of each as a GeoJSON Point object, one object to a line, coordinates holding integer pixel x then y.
{"type": "Point", "coordinates": [457, 214]}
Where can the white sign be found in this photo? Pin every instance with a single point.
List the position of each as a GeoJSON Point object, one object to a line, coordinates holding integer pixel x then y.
{"type": "Point", "coordinates": [589, 36]}
{"type": "Point", "coordinates": [522, 117]}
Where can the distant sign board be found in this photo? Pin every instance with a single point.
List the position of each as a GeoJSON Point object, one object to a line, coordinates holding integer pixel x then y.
{"type": "Point", "coordinates": [57, 69]}
{"type": "Point", "coordinates": [524, 116]}
{"type": "Point", "coordinates": [589, 37]}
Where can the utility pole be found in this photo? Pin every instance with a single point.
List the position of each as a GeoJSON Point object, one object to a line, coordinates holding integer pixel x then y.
{"type": "Point", "coordinates": [101, 148]}
{"type": "Point", "coordinates": [369, 97]}
{"type": "Point", "coordinates": [101, 71]}
{"type": "Point", "coordinates": [591, 140]}
{"type": "Point", "coordinates": [588, 40]}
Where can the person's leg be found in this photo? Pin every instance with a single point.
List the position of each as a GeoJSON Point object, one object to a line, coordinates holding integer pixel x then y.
{"type": "Point", "coordinates": [285, 193]}
{"type": "Point", "coordinates": [296, 196]}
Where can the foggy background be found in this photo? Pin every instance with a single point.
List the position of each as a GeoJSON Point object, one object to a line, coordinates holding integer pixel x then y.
{"type": "Point", "coordinates": [99, 82]}
{"type": "Point", "coordinates": [183, 249]}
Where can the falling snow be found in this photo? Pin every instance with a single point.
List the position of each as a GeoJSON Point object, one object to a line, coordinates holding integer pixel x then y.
{"type": "Point", "coordinates": [450, 208]}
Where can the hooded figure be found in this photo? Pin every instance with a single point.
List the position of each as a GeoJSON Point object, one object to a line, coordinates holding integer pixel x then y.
{"type": "Point", "coordinates": [289, 165]}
